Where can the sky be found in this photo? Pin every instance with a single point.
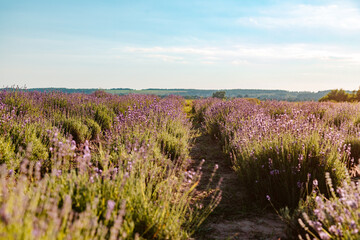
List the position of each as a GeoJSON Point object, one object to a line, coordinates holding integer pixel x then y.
{"type": "Point", "coordinates": [214, 44]}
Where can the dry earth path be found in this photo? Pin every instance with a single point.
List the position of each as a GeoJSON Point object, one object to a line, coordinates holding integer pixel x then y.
{"type": "Point", "coordinates": [235, 217]}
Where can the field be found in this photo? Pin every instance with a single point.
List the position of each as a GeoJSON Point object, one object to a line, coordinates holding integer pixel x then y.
{"type": "Point", "coordinates": [101, 166]}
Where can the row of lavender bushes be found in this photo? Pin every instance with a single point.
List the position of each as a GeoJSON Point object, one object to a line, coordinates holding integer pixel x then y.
{"type": "Point", "coordinates": [282, 153]}
{"type": "Point", "coordinates": [99, 166]}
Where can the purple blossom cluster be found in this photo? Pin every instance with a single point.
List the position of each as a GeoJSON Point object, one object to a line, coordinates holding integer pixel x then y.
{"type": "Point", "coordinates": [337, 217]}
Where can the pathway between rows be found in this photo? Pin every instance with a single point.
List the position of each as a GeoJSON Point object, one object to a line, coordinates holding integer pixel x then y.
{"type": "Point", "coordinates": [233, 218]}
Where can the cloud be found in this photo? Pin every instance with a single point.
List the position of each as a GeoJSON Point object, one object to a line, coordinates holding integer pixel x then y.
{"type": "Point", "coordinates": [166, 58]}
{"type": "Point", "coordinates": [247, 54]}
{"type": "Point", "coordinates": [336, 17]}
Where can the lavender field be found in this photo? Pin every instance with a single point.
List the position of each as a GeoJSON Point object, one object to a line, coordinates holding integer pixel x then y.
{"type": "Point", "coordinates": [301, 158]}
{"type": "Point", "coordinates": [76, 166]}
{"type": "Point", "coordinates": [101, 166]}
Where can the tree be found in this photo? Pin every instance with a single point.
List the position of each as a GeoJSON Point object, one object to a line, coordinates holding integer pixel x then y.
{"type": "Point", "coordinates": [219, 94]}
{"type": "Point", "coordinates": [357, 95]}
{"type": "Point", "coordinates": [337, 95]}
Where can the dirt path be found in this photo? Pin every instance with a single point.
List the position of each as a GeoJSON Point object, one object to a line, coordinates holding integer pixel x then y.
{"type": "Point", "coordinates": [234, 218]}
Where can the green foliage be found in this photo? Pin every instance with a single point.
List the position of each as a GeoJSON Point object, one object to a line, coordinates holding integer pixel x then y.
{"type": "Point", "coordinates": [169, 145]}
{"type": "Point", "coordinates": [37, 150]}
{"type": "Point", "coordinates": [219, 94]}
{"type": "Point", "coordinates": [357, 122]}
{"type": "Point", "coordinates": [6, 151]}
{"type": "Point", "coordinates": [28, 141]}
{"type": "Point", "coordinates": [103, 117]}
{"type": "Point", "coordinates": [273, 167]}
{"type": "Point", "coordinates": [94, 128]}
{"type": "Point", "coordinates": [337, 95]}
{"type": "Point", "coordinates": [354, 144]}
{"type": "Point", "coordinates": [76, 128]}
{"type": "Point", "coordinates": [356, 95]}
{"type": "Point", "coordinates": [58, 102]}
{"type": "Point", "coordinates": [188, 107]}
{"type": "Point", "coordinates": [338, 120]}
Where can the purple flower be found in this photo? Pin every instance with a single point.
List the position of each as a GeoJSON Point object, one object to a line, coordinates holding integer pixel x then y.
{"type": "Point", "coordinates": [315, 183]}
{"type": "Point", "coordinates": [324, 235]}
{"type": "Point", "coordinates": [268, 197]}
{"type": "Point", "coordinates": [110, 208]}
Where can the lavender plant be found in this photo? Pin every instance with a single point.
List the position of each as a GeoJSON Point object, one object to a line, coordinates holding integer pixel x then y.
{"type": "Point", "coordinates": [336, 217]}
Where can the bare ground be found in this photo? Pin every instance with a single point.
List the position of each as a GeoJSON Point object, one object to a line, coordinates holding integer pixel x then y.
{"type": "Point", "coordinates": [235, 217]}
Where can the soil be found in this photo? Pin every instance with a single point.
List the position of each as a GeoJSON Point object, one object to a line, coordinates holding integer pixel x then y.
{"type": "Point", "coordinates": [234, 217]}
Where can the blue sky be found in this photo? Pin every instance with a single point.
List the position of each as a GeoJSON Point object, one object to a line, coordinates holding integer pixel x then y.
{"type": "Point", "coordinates": [266, 44]}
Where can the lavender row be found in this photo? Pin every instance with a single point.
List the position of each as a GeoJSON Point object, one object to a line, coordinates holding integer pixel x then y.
{"type": "Point", "coordinates": [98, 166]}
{"type": "Point", "coordinates": [282, 151]}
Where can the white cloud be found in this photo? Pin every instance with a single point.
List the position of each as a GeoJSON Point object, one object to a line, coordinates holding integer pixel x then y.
{"type": "Point", "coordinates": [247, 54]}
{"type": "Point", "coordinates": [166, 58]}
{"type": "Point", "coordinates": [337, 17]}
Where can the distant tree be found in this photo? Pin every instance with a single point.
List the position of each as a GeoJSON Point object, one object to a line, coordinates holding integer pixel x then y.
{"type": "Point", "coordinates": [357, 95]}
{"type": "Point", "coordinates": [337, 95]}
{"type": "Point", "coordinates": [219, 94]}
{"type": "Point", "coordinates": [101, 94]}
